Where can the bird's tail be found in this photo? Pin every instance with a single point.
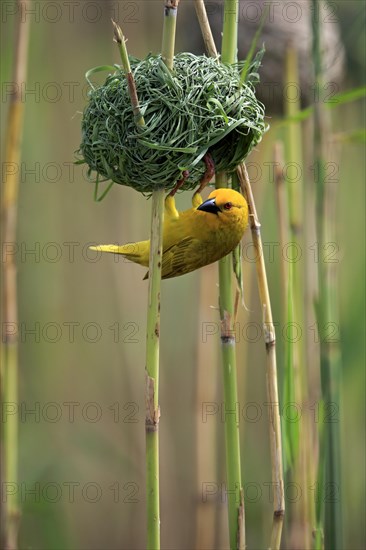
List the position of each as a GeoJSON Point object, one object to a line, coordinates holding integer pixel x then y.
{"type": "Point", "coordinates": [131, 251]}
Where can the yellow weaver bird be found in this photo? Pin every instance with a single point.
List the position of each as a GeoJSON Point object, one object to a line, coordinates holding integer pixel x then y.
{"type": "Point", "coordinates": [194, 238]}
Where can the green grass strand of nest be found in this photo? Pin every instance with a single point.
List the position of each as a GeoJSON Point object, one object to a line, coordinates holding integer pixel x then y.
{"type": "Point", "coordinates": [201, 106]}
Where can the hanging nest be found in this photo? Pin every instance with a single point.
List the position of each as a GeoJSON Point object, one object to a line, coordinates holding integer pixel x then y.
{"type": "Point", "coordinates": [200, 107]}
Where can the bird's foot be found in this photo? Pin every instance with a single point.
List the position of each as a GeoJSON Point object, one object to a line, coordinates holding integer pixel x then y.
{"type": "Point", "coordinates": [170, 208]}
{"type": "Point", "coordinates": [196, 200]}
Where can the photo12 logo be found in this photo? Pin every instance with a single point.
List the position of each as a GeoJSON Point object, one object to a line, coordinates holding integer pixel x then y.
{"type": "Point", "coordinates": [71, 11]}
{"type": "Point", "coordinates": [52, 492]}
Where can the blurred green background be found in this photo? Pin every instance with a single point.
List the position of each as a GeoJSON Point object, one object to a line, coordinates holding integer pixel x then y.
{"type": "Point", "coordinates": [82, 317]}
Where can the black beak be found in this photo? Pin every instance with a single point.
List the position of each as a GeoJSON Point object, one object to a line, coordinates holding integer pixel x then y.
{"type": "Point", "coordinates": [209, 206]}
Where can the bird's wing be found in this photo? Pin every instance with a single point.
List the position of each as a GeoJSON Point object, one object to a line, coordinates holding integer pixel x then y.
{"type": "Point", "coordinates": [182, 257]}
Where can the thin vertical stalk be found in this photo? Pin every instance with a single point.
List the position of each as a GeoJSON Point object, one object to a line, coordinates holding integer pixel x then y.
{"type": "Point", "coordinates": [235, 498]}
{"type": "Point", "coordinates": [293, 153]}
{"type": "Point", "coordinates": [229, 48]}
{"type": "Point", "coordinates": [153, 326]}
{"type": "Point", "coordinates": [294, 143]}
{"type": "Point", "coordinates": [9, 373]}
{"type": "Point", "coordinates": [289, 431]}
{"type": "Point", "coordinates": [205, 28]}
{"type": "Point", "coordinates": [333, 518]}
{"type": "Point", "coordinates": [230, 29]}
{"type": "Point", "coordinates": [326, 308]}
{"type": "Point", "coordinates": [296, 384]}
{"type": "Point", "coordinates": [120, 40]}
{"type": "Point", "coordinates": [235, 495]}
{"type": "Point", "coordinates": [227, 315]}
{"type": "Point", "coordinates": [152, 372]}
{"type": "Point", "coordinates": [282, 210]}
{"type": "Point", "coordinates": [153, 320]}
{"type": "Point", "coordinates": [169, 27]}
{"type": "Point", "coordinates": [272, 385]}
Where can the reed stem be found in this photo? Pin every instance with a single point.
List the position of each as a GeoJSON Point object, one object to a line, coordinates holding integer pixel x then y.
{"type": "Point", "coordinates": [152, 372]}
{"type": "Point", "coordinates": [229, 48]}
{"type": "Point", "coordinates": [9, 314]}
{"type": "Point", "coordinates": [153, 323]}
{"type": "Point", "coordinates": [205, 28]}
{"type": "Point", "coordinates": [235, 495]}
{"type": "Point", "coordinates": [272, 385]}
{"type": "Point", "coordinates": [292, 108]}
{"type": "Point", "coordinates": [327, 315]}
{"type": "Point", "coordinates": [120, 40]}
{"type": "Point", "coordinates": [169, 27]}
{"type": "Point", "coordinates": [282, 210]}
{"type": "Point", "coordinates": [153, 319]}
{"type": "Point", "coordinates": [296, 434]}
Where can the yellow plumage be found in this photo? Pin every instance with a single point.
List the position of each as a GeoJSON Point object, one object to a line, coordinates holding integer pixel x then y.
{"type": "Point", "coordinates": [196, 237]}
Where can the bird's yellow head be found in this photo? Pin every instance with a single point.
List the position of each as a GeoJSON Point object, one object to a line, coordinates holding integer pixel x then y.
{"type": "Point", "coordinates": [227, 204]}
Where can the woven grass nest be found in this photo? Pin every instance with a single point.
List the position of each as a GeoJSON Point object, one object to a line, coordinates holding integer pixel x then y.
{"type": "Point", "coordinates": [199, 107]}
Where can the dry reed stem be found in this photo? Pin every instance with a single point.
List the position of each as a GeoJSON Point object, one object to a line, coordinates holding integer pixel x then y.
{"type": "Point", "coordinates": [272, 386]}
{"type": "Point", "coordinates": [205, 28]}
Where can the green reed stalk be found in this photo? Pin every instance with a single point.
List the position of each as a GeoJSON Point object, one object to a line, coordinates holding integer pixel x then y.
{"type": "Point", "coordinates": [235, 496]}
{"type": "Point", "coordinates": [169, 27]}
{"type": "Point", "coordinates": [153, 318]}
{"type": "Point", "coordinates": [326, 312]}
{"type": "Point", "coordinates": [296, 434]}
{"type": "Point", "coordinates": [294, 279]}
{"type": "Point", "coordinates": [9, 313]}
{"type": "Point", "coordinates": [282, 213]}
{"type": "Point", "coordinates": [227, 310]}
{"type": "Point", "coordinates": [152, 371]}
{"type": "Point", "coordinates": [229, 48]}
{"type": "Point", "coordinates": [293, 147]}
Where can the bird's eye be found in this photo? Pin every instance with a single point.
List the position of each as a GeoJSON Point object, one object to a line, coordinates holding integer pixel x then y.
{"type": "Point", "coordinates": [228, 205]}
